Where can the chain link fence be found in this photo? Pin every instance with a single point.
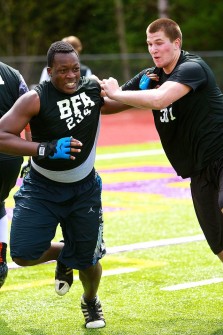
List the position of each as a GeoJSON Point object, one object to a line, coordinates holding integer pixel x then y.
{"type": "Point", "coordinates": [106, 65]}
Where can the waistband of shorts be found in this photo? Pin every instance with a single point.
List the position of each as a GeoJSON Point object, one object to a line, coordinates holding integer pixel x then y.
{"type": "Point", "coordinates": [90, 176]}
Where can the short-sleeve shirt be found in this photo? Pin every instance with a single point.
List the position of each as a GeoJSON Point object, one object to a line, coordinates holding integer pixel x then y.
{"type": "Point", "coordinates": [190, 129]}
{"type": "Point", "coordinates": [65, 115]}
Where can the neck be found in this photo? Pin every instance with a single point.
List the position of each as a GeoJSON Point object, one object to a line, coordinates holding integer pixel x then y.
{"type": "Point", "coordinates": [168, 69]}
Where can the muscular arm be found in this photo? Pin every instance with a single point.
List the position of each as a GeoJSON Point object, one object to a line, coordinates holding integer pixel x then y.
{"type": "Point", "coordinates": [111, 106]}
{"type": "Point", "coordinates": [155, 99]}
{"type": "Point", "coordinates": [13, 123]}
{"type": "Point", "coordinates": [15, 120]}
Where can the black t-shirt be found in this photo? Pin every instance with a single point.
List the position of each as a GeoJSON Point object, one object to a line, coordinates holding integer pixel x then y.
{"type": "Point", "coordinates": [190, 129]}
{"type": "Point", "coordinates": [65, 115]}
{"type": "Point", "coordinates": [12, 85]}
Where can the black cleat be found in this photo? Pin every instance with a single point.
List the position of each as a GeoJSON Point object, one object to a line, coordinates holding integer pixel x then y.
{"type": "Point", "coordinates": [92, 313]}
{"type": "Point", "coordinates": [63, 278]}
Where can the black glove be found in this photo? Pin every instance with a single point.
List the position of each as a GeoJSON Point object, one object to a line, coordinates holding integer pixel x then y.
{"type": "Point", "coordinates": [56, 149]}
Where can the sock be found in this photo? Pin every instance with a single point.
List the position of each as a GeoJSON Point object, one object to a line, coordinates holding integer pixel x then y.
{"type": "Point", "coordinates": [3, 248]}
{"type": "Point", "coordinates": [4, 229]}
{"type": "Point", "coordinates": [90, 301]}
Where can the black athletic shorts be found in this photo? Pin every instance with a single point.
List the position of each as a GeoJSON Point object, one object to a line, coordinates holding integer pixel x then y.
{"type": "Point", "coordinates": [207, 195]}
{"type": "Point", "coordinates": [41, 204]}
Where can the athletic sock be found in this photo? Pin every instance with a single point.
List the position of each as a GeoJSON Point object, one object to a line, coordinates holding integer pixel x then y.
{"type": "Point", "coordinates": [4, 229]}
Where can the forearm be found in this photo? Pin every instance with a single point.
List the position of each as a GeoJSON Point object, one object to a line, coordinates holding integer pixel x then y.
{"type": "Point", "coordinates": [111, 106]}
{"type": "Point", "coordinates": [147, 99]}
{"type": "Point", "coordinates": [14, 145]}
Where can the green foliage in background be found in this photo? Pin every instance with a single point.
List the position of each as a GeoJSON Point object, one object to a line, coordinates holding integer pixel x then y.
{"type": "Point", "coordinates": [29, 27]}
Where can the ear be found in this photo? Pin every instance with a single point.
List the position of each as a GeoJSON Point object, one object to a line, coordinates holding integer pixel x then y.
{"type": "Point", "coordinates": [49, 71]}
{"type": "Point", "coordinates": [177, 43]}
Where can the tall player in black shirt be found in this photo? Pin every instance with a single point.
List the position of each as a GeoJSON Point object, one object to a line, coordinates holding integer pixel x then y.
{"type": "Point", "coordinates": [62, 185]}
{"type": "Point", "coordinates": [187, 106]}
{"type": "Point", "coordinates": [12, 86]}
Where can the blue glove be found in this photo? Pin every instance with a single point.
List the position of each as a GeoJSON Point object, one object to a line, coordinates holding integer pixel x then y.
{"type": "Point", "coordinates": [62, 149]}
{"type": "Point", "coordinates": [144, 82]}
{"type": "Point", "coordinates": [57, 149]}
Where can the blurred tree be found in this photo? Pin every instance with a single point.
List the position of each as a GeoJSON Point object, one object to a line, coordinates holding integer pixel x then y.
{"type": "Point", "coordinates": [29, 27]}
{"type": "Point", "coordinates": [122, 37]}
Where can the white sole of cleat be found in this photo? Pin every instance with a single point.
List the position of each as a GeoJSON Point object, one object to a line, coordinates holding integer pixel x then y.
{"type": "Point", "coordinates": [95, 324]}
{"type": "Point", "coordinates": [65, 288]}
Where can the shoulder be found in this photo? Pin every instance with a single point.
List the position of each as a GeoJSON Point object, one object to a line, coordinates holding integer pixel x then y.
{"type": "Point", "coordinates": [190, 71]}
{"type": "Point", "coordinates": [89, 83]}
{"type": "Point", "coordinates": [191, 62]}
{"type": "Point", "coordinates": [8, 71]}
{"type": "Point", "coordinates": [30, 97]}
{"type": "Point", "coordinates": [42, 87]}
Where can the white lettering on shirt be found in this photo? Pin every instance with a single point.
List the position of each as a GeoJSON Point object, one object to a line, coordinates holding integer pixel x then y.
{"type": "Point", "coordinates": [75, 109]}
{"type": "Point", "coordinates": [166, 114]}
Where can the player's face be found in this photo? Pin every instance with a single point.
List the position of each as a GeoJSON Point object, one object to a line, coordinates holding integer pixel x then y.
{"type": "Point", "coordinates": [164, 52]}
{"type": "Point", "coordinates": [65, 72]}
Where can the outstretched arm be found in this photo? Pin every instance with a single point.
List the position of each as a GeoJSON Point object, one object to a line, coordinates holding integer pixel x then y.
{"type": "Point", "coordinates": [111, 106]}
{"type": "Point", "coordinates": [156, 99]}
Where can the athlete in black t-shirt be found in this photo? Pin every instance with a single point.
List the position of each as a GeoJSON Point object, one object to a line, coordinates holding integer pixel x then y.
{"type": "Point", "coordinates": [12, 86]}
{"type": "Point", "coordinates": [62, 186]}
{"type": "Point", "coordinates": [187, 106]}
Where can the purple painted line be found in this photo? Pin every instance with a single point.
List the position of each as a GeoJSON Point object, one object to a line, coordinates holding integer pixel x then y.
{"type": "Point", "coordinates": [151, 169]}
{"type": "Point", "coordinates": [160, 186]}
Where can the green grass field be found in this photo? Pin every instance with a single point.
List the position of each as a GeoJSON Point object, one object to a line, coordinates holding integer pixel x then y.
{"type": "Point", "coordinates": [142, 288]}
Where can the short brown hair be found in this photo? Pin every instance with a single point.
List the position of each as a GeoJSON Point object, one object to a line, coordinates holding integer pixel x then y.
{"type": "Point", "coordinates": [170, 28]}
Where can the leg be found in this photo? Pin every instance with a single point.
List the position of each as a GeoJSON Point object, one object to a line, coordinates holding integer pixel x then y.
{"type": "Point", "coordinates": [90, 279]}
{"type": "Point", "coordinates": [51, 254]}
{"type": "Point", "coordinates": [205, 197]}
{"type": "Point", "coordinates": [84, 247]}
{"type": "Point", "coordinates": [34, 223]}
{"type": "Point", "coordinates": [9, 168]}
{"type": "Point", "coordinates": [90, 303]}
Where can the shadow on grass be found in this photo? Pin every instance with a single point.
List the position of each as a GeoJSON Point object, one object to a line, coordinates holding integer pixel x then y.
{"type": "Point", "coordinates": [5, 329]}
{"type": "Point", "coordinates": [34, 332]}
{"type": "Point", "coordinates": [217, 332]}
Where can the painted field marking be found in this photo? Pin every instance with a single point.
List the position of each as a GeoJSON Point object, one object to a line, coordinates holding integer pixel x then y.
{"type": "Point", "coordinates": [154, 244]}
{"type": "Point", "coordinates": [130, 154]}
{"type": "Point", "coordinates": [192, 284]}
{"type": "Point", "coordinates": [48, 281]}
{"type": "Point", "coordinates": [139, 246]}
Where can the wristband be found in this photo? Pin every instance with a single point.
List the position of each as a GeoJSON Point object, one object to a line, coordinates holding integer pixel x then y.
{"type": "Point", "coordinates": [45, 149]}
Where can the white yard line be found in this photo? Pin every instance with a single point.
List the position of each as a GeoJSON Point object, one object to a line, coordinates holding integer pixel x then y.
{"type": "Point", "coordinates": [154, 244]}
{"type": "Point", "coordinates": [130, 154]}
{"type": "Point", "coordinates": [192, 284]}
{"type": "Point", "coordinates": [146, 245]}
{"type": "Point", "coordinates": [142, 245]}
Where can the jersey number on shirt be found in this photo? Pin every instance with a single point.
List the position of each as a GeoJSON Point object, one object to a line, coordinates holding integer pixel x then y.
{"type": "Point", "coordinates": [75, 109]}
{"type": "Point", "coordinates": [166, 114]}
